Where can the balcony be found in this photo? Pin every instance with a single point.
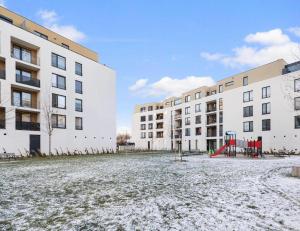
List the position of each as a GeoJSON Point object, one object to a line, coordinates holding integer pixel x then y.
{"type": "Point", "coordinates": [211, 119]}
{"type": "Point", "coordinates": [211, 106]}
{"type": "Point", "coordinates": [2, 74]}
{"type": "Point", "coordinates": [177, 116]}
{"type": "Point", "coordinates": [159, 126]}
{"type": "Point", "coordinates": [211, 132]}
{"type": "Point", "coordinates": [27, 80]}
{"type": "Point", "coordinates": [178, 136]}
{"type": "Point", "coordinates": [28, 126]}
{"type": "Point", "coordinates": [159, 116]}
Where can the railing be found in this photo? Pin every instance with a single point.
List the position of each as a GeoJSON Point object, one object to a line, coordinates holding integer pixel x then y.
{"type": "Point", "coordinates": [178, 116]}
{"type": "Point", "coordinates": [2, 74]}
{"type": "Point", "coordinates": [178, 126]}
{"type": "Point", "coordinates": [178, 136]}
{"type": "Point", "coordinates": [159, 117]}
{"type": "Point", "coordinates": [2, 124]}
{"type": "Point", "coordinates": [28, 126]}
{"type": "Point", "coordinates": [27, 81]}
{"type": "Point", "coordinates": [211, 121]}
{"type": "Point", "coordinates": [211, 109]}
{"type": "Point", "coordinates": [211, 134]}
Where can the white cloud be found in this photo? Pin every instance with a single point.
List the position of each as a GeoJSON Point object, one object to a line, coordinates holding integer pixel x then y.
{"type": "Point", "coordinates": [2, 3]}
{"type": "Point", "coordinates": [138, 84]}
{"type": "Point", "coordinates": [265, 47]}
{"type": "Point", "coordinates": [271, 37]}
{"type": "Point", "coordinates": [167, 86]}
{"type": "Point", "coordinates": [51, 20]}
{"type": "Point", "coordinates": [295, 31]}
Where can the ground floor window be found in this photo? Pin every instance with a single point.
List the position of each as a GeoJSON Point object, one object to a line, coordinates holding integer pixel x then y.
{"type": "Point", "coordinates": [248, 126]}
{"type": "Point", "coordinates": [78, 123]}
{"type": "Point", "coordinates": [297, 121]}
{"type": "Point", "coordinates": [266, 125]}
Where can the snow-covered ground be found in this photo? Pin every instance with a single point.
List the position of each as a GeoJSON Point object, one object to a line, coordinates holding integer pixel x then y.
{"type": "Point", "coordinates": [140, 192]}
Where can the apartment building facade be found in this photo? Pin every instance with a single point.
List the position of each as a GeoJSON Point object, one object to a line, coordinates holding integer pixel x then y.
{"type": "Point", "coordinates": [261, 102]}
{"type": "Point", "coordinates": [45, 79]}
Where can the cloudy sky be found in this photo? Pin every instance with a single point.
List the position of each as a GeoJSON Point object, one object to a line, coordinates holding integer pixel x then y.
{"type": "Point", "coordinates": [162, 48]}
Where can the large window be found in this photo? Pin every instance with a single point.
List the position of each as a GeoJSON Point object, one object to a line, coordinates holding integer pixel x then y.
{"type": "Point", "coordinates": [198, 107]}
{"type": "Point", "coordinates": [78, 105]}
{"type": "Point", "coordinates": [220, 88]}
{"type": "Point", "coordinates": [143, 118]}
{"type": "Point", "coordinates": [266, 125]}
{"type": "Point", "coordinates": [248, 96]}
{"type": "Point", "coordinates": [58, 101]}
{"type": "Point", "coordinates": [187, 110]}
{"type": "Point", "coordinates": [245, 81]}
{"type": "Point", "coordinates": [22, 99]}
{"type": "Point", "coordinates": [297, 85]}
{"type": "Point", "coordinates": [248, 111]}
{"type": "Point", "coordinates": [266, 108]}
{"type": "Point", "coordinates": [297, 103]}
{"type": "Point", "coordinates": [198, 119]}
{"type": "Point", "coordinates": [22, 54]}
{"type": "Point", "coordinates": [198, 131]}
{"type": "Point", "coordinates": [150, 134]}
{"type": "Point", "coordinates": [58, 61]}
{"type": "Point", "coordinates": [197, 95]}
{"type": "Point", "coordinates": [58, 121]}
{"type": "Point", "coordinates": [78, 87]}
{"type": "Point", "coordinates": [143, 109]}
{"type": "Point", "coordinates": [78, 69]}
{"type": "Point", "coordinates": [187, 132]}
{"type": "Point", "coordinates": [150, 117]}
{"type": "Point", "coordinates": [187, 121]}
{"type": "Point", "coordinates": [150, 126]}
{"type": "Point", "coordinates": [266, 92]}
{"type": "Point", "coordinates": [143, 135]}
{"type": "Point", "coordinates": [58, 81]}
{"type": "Point", "coordinates": [143, 126]}
{"type": "Point", "coordinates": [248, 126]}
{"type": "Point", "coordinates": [297, 122]}
{"type": "Point", "coordinates": [78, 123]}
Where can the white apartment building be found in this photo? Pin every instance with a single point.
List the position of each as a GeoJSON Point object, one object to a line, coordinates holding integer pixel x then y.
{"type": "Point", "coordinates": [44, 74]}
{"type": "Point", "coordinates": [261, 102]}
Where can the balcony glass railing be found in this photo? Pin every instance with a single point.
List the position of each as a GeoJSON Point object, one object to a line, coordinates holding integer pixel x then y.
{"type": "Point", "coordinates": [29, 126]}
{"type": "Point", "coordinates": [2, 74]}
{"type": "Point", "coordinates": [27, 80]}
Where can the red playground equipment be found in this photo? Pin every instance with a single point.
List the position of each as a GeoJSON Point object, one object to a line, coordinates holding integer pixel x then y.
{"type": "Point", "coordinates": [250, 148]}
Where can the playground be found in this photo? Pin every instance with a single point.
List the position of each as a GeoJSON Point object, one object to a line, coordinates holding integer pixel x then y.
{"type": "Point", "coordinates": [149, 192]}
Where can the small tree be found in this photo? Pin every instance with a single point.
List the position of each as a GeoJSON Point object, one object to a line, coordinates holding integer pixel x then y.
{"type": "Point", "coordinates": [122, 139]}
{"type": "Point", "coordinates": [48, 111]}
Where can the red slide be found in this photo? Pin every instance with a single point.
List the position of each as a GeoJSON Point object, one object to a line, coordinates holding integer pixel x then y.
{"type": "Point", "coordinates": [219, 151]}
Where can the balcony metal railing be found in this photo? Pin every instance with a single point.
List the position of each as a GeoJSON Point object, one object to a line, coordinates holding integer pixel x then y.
{"type": "Point", "coordinates": [2, 124]}
{"type": "Point", "coordinates": [211, 109]}
{"type": "Point", "coordinates": [211, 134]}
{"type": "Point", "coordinates": [2, 74]}
{"type": "Point", "coordinates": [28, 126]}
{"type": "Point", "coordinates": [211, 121]}
{"type": "Point", "coordinates": [28, 81]}
{"type": "Point", "coordinates": [178, 136]}
{"type": "Point", "coordinates": [178, 116]}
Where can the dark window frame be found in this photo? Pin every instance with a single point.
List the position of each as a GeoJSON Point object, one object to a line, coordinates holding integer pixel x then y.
{"type": "Point", "coordinates": [56, 124]}
{"type": "Point", "coordinates": [81, 123]}
{"type": "Point", "coordinates": [265, 96]}
{"type": "Point", "coordinates": [262, 109]}
{"type": "Point", "coordinates": [60, 76]}
{"type": "Point", "coordinates": [80, 90]}
{"type": "Point", "coordinates": [76, 72]}
{"type": "Point", "coordinates": [267, 126]}
{"type": "Point", "coordinates": [295, 106]}
{"type": "Point", "coordinates": [295, 90]}
{"type": "Point", "coordinates": [56, 106]}
{"type": "Point", "coordinates": [297, 126]}
{"type": "Point", "coordinates": [250, 112]}
{"type": "Point", "coordinates": [250, 126]}
{"type": "Point", "coordinates": [245, 83]}
{"type": "Point", "coordinates": [55, 64]}
{"type": "Point", "coordinates": [81, 108]}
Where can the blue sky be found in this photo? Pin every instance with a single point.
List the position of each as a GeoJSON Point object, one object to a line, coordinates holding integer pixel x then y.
{"type": "Point", "coordinates": [161, 48]}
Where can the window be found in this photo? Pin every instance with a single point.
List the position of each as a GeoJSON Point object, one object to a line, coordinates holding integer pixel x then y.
{"type": "Point", "coordinates": [297, 121]}
{"type": "Point", "coordinates": [198, 119]}
{"type": "Point", "coordinates": [220, 88]}
{"type": "Point", "coordinates": [78, 105]}
{"type": "Point", "coordinates": [187, 132]}
{"type": "Point", "coordinates": [40, 35]}
{"type": "Point", "coordinates": [297, 103]}
{"type": "Point", "coordinates": [22, 54]}
{"type": "Point", "coordinates": [198, 107]}
{"type": "Point", "coordinates": [143, 126]}
{"type": "Point", "coordinates": [143, 135]}
{"type": "Point", "coordinates": [150, 117]}
{"type": "Point", "coordinates": [150, 135]}
{"type": "Point", "coordinates": [78, 123]}
{"type": "Point", "coordinates": [248, 96]}
{"type": "Point", "coordinates": [266, 125]}
{"type": "Point", "coordinates": [143, 118]}
{"type": "Point", "coordinates": [150, 108]}
{"type": "Point", "coordinates": [187, 98]}
{"type": "Point", "coordinates": [143, 109]}
{"type": "Point", "coordinates": [248, 126]}
{"type": "Point", "coordinates": [177, 101]}
{"type": "Point", "coordinates": [58, 121]}
{"type": "Point", "coordinates": [58, 101]}
{"type": "Point", "coordinates": [187, 121]}
{"type": "Point", "coordinates": [220, 117]}
{"type": "Point", "coordinates": [22, 99]}
{"type": "Point", "coordinates": [150, 126]}
{"type": "Point", "coordinates": [221, 104]}
{"type": "Point", "coordinates": [59, 81]}
{"type": "Point", "coordinates": [198, 131]}
{"type": "Point", "coordinates": [297, 85]}
{"type": "Point", "coordinates": [78, 69]}
{"type": "Point", "coordinates": [266, 92]}
{"type": "Point", "coordinates": [23, 76]}
{"type": "Point", "coordinates": [58, 61]}
{"type": "Point", "coordinates": [230, 83]}
{"type": "Point", "coordinates": [65, 46]}
{"type": "Point", "coordinates": [266, 108]}
{"type": "Point", "coordinates": [187, 110]}
{"type": "Point", "coordinates": [245, 81]}
{"type": "Point", "coordinates": [78, 87]}
{"type": "Point", "coordinates": [248, 111]}
{"type": "Point", "coordinates": [197, 95]}
{"type": "Point", "coordinates": [221, 130]}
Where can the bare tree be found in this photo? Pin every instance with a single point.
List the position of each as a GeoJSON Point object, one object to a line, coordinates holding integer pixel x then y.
{"type": "Point", "coordinates": [122, 139]}
{"type": "Point", "coordinates": [48, 111]}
